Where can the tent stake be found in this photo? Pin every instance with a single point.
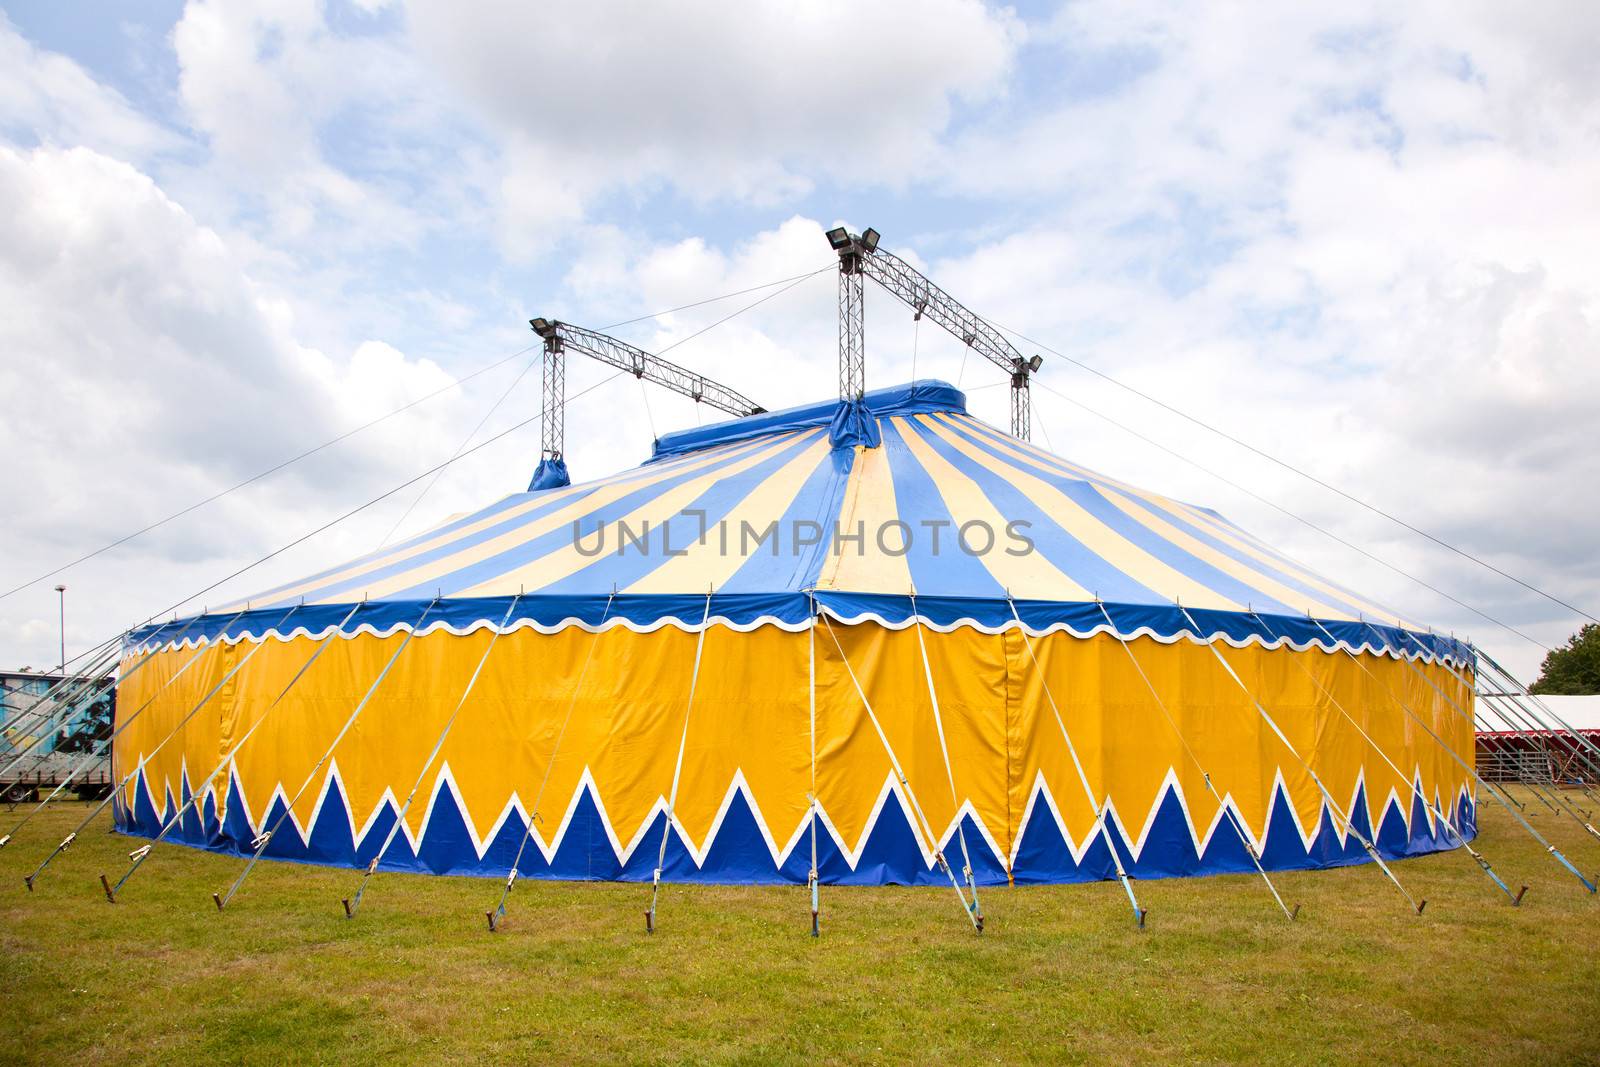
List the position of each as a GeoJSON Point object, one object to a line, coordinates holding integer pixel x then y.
{"type": "Point", "coordinates": [1222, 805]}
{"type": "Point", "coordinates": [1096, 806]}
{"type": "Point", "coordinates": [811, 797]}
{"type": "Point", "coordinates": [139, 856]}
{"type": "Point", "coordinates": [677, 770]}
{"type": "Point", "coordinates": [1467, 717]}
{"type": "Point", "coordinates": [923, 829]}
{"type": "Point", "coordinates": [949, 773]}
{"type": "Point", "coordinates": [1416, 785]}
{"type": "Point", "coordinates": [1505, 802]}
{"type": "Point", "coordinates": [1316, 779]}
{"type": "Point", "coordinates": [352, 904]}
{"type": "Point", "coordinates": [499, 911]}
{"type": "Point", "coordinates": [115, 733]}
{"type": "Point", "coordinates": [123, 784]}
{"type": "Point", "coordinates": [266, 838]}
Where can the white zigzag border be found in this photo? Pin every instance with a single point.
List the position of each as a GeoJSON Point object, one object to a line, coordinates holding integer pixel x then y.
{"type": "Point", "coordinates": [780, 853]}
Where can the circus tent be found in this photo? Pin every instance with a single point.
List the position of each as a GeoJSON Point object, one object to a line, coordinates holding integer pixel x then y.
{"type": "Point", "coordinates": [854, 638]}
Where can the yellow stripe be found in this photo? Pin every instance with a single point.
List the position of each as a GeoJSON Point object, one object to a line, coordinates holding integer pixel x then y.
{"type": "Point", "coordinates": [709, 564]}
{"type": "Point", "coordinates": [863, 567]}
{"type": "Point", "coordinates": [472, 554]}
{"type": "Point", "coordinates": [1268, 586]}
{"type": "Point", "coordinates": [1246, 573]}
{"type": "Point", "coordinates": [605, 489]}
{"type": "Point", "coordinates": [567, 560]}
{"type": "Point", "coordinates": [1258, 548]}
{"type": "Point", "coordinates": [1105, 542]}
{"type": "Point", "coordinates": [1031, 574]}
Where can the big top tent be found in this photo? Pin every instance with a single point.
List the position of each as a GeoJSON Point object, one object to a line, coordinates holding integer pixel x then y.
{"type": "Point", "coordinates": [858, 638]}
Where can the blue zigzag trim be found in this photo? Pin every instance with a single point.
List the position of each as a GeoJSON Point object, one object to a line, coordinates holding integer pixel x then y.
{"type": "Point", "coordinates": [739, 852]}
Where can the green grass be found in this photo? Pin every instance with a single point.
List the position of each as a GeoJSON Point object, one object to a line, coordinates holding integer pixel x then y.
{"type": "Point", "coordinates": [1061, 974]}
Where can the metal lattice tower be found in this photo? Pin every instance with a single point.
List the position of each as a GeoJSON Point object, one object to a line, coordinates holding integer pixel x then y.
{"type": "Point", "coordinates": [555, 396]}
{"type": "Point", "coordinates": [1021, 405]}
{"type": "Point", "coordinates": [852, 329]}
{"type": "Point", "coordinates": [859, 255]}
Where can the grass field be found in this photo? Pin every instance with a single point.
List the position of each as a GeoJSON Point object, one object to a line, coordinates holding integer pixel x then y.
{"type": "Point", "coordinates": [1061, 974]}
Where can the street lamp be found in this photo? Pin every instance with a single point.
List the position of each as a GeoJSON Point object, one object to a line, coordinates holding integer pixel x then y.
{"type": "Point", "coordinates": [61, 596]}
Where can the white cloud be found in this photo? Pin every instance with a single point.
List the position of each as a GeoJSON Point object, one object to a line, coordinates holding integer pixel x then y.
{"type": "Point", "coordinates": [265, 85]}
{"type": "Point", "coordinates": [45, 97]}
{"type": "Point", "coordinates": [1362, 238]}
{"type": "Point", "coordinates": [145, 369]}
{"type": "Point", "coordinates": [750, 101]}
{"type": "Point", "coordinates": [1363, 241]}
{"type": "Point", "coordinates": [776, 352]}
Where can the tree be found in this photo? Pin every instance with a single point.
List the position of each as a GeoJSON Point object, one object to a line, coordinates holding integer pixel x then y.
{"type": "Point", "coordinates": [1574, 668]}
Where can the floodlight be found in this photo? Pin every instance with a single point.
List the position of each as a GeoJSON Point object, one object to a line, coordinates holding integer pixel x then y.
{"type": "Point", "coordinates": [542, 327]}
{"type": "Point", "coordinates": [1035, 363]}
{"type": "Point", "coordinates": [869, 239]}
{"type": "Point", "coordinates": [839, 238]}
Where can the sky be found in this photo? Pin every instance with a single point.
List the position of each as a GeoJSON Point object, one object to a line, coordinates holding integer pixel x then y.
{"type": "Point", "coordinates": [1360, 239]}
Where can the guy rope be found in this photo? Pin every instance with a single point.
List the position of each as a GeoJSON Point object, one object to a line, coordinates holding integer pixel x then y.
{"type": "Point", "coordinates": [1506, 801]}
{"type": "Point", "coordinates": [1333, 805]}
{"type": "Point", "coordinates": [1415, 780]}
{"type": "Point", "coordinates": [353, 903]}
{"type": "Point", "coordinates": [677, 770]}
{"type": "Point", "coordinates": [1224, 805]}
{"type": "Point", "coordinates": [949, 773]}
{"type": "Point", "coordinates": [111, 797]}
{"type": "Point", "coordinates": [499, 911]}
{"type": "Point", "coordinates": [929, 841]}
{"type": "Point", "coordinates": [265, 838]}
{"type": "Point", "coordinates": [1095, 806]}
{"type": "Point", "coordinates": [198, 791]}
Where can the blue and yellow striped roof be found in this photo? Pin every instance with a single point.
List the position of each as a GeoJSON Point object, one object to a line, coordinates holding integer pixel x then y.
{"type": "Point", "coordinates": [857, 507]}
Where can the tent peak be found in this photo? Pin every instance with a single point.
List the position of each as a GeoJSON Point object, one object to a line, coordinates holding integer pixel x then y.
{"type": "Point", "coordinates": [852, 422]}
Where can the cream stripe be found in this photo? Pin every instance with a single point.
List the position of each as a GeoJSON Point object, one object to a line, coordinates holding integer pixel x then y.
{"type": "Point", "coordinates": [869, 505]}
{"type": "Point", "coordinates": [1272, 557]}
{"type": "Point", "coordinates": [1104, 541]}
{"type": "Point", "coordinates": [1119, 498]}
{"type": "Point", "coordinates": [1031, 574]}
{"type": "Point", "coordinates": [1223, 531]}
{"type": "Point", "coordinates": [604, 492]}
{"type": "Point", "coordinates": [567, 560]}
{"type": "Point", "coordinates": [707, 565]}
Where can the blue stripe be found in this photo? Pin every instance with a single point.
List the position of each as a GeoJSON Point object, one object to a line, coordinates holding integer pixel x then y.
{"type": "Point", "coordinates": [793, 608]}
{"type": "Point", "coordinates": [1298, 567]}
{"type": "Point", "coordinates": [1236, 554]}
{"type": "Point", "coordinates": [818, 501]}
{"type": "Point", "coordinates": [554, 538]}
{"type": "Point", "coordinates": [1057, 545]}
{"type": "Point", "coordinates": [625, 562]}
{"type": "Point", "coordinates": [1089, 498]}
{"type": "Point", "coordinates": [586, 529]}
{"type": "Point", "coordinates": [943, 567]}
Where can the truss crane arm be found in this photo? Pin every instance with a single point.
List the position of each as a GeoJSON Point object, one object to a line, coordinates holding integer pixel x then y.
{"type": "Point", "coordinates": [907, 284]}
{"type": "Point", "coordinates": [859, 255]}
{"type": "Point", "coordinates": [641, 364]}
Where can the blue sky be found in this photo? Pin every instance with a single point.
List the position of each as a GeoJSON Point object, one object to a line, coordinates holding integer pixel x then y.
{"type": "Point", "coordinates": [1360, 239]}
